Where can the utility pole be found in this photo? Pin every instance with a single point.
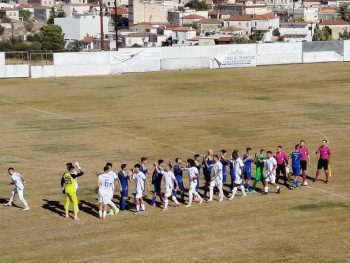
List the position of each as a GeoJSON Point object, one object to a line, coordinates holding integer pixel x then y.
{"type": "Point", "coordinates": [101, 24]}
{"type": "Point", "coordinates": [116, 25]}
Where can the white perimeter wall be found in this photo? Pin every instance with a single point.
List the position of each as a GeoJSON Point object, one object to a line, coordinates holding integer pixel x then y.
{"type": "Point", "coordinates": [180, 58]}
{"type": "Point", "coordinates": [279, 53]}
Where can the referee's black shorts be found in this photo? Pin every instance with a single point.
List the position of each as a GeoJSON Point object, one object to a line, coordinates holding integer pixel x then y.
{"type": "Point", "coordinates": [281, 169]}
{"type": "Point", "coordinates": [322, 163]}
{"type": "Point", "coordinates": [303, 165]}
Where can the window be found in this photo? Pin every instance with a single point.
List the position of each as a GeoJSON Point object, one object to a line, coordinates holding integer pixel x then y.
{"type": "Point", "coordinates": [246, 24]}
{"type": "Point", "coordinates": [239, 23]}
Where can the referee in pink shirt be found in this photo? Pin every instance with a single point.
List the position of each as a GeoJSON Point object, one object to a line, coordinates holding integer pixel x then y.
{"type": "Point", "coordinates": [325, 156]}
{"type": "Point", "coordinates": [282, 162]}
{"type": "Point", "coordinates": [304, 161]}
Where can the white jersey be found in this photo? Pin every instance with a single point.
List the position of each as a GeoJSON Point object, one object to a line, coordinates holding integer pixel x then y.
{"type": "Point", "coordinates": [114, 175]}
{"type": "Point", "coordinates": [17, 180]}
{"type": "Point", "coordinates": [139, 179]}
{"type": "Point", "coordinates": [169, 178]}
{"type": "Point", "coordinates": [269, 165]}
{"type": "Point", "coordinates": [105, 183]}
{"type": "Point", "coordinates": [192, 172]}
{"type": "Point", "coordinates": [217, 167]}
{"type": "Point", "coordinates": [237, 166]}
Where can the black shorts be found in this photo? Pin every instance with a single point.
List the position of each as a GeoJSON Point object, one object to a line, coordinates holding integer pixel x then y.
{"type": "Point", "coordinates": [322, 163]}
{"type": "Point", "coordinates": [281, 169]}
{"type": "Point", "coordinates": [303, 165]}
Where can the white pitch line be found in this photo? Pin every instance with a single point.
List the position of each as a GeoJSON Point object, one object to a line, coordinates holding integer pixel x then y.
{"type": "Point", "coordinates": [330, 193]}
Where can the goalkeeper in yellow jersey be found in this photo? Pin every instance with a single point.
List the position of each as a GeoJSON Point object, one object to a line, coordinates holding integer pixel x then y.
{"type": "Point", "coordinates": [69, 189]}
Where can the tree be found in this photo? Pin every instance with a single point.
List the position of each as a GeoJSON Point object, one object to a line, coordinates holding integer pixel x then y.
{"type": "Point", "coordinates": [196, 4]}
{"type": "Point", "coordinates": [52, 37]}
{"type": "Point", "coordinates": [6, 19]}
{"type": "Point", "coordinates": [237, 39]}
{"type": "Point", "coordinates": [324, 34]}
{"type": "Point", "coordinates": [28, 25]}
{"type": "Point", "coordinates": [256, 37]}
{"type": "Point", "coordinates": [74, 46]}
{"type": "Point", "coordinates": [54, 14]}
{"type": "Point", "coordinates": [343, 36]}
{"type": "Point", "coordinates": [25, 15]}
{"type": "Point", "coordinates": [2, 30]}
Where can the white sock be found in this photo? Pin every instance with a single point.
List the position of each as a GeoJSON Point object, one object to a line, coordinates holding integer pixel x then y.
{"type": "Point", "coordinates": [174, 200]}
{"type": "Point", "coordinates": [114, 207]}
{"type": "Point", "coordinates": [277, 187]}
{"type": "Point", "coordinates": [104, 213]}
{"type": "Point", "coordinates": [143, 207]}
{"type": "Point", "coordinates": [166, 201]}
{"type": "Point", "coordinates": [137, 208]}
{"type": "Point", "coordinates": [190, 197]}
{"type": "Point", "coordinates": [211, 192]}
{"type": "Point", "coordinates": [234, 191]}
{"type": "Point", "coordinates": [266, 189]}
{"type": "Point", "coordinates": [100, 213]}
{"type": "Point", "coordinates": [243, 190]}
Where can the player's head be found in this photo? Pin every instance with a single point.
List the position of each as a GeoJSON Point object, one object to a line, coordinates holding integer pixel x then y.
{"type": "Point", "coordinates": [235, 154]}
{"type": "Point", "coordinates": [137, 167]}
{"type": "Point", "coordinates": [268, 154]}
{"type": "Point", "coordinates": [302, 143]}
{"type": "Point", "coordinates": [11, 170]}
{"type": "Point", "coordinates": [197, 156]}
{"type": "Point", "coordinates": [249, 149]}
{"type": "Point", "coordinates": [106, 168]}
{"type": "Point", "coordinates": [216, 158]}
{"type": "Point", "coordinates": [110, 165]}
{"type": "Point", "coordinates": [143, 159]}
{"type": "Point", "coordinates": [223, 152]}
{"type": "Point", "coordinates": [324, 142]}
{"type": "Point", "coordinates": [178, 160]}
{"type": "Point", "coordinates": [279, 148]}
{"type": "Point", "coordinates": [168, 167]}
{"type": "Point", "coordinates": [70, 167]}
{"type": "Point", "coordinates": [124, 167]}
{"type": "Point", "coordinates": [210, 152]}
{"type": "Point", "coordinates": [296, 147]}
{"type": "Point", "coordinates": [160, 162]}
{"type": "Point", "coordinates": [262, 151]}
{"type": "Point", "coordinates": [191, 162]}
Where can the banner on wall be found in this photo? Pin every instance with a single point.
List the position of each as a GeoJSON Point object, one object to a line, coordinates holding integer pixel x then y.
{"type": "Point", "coordinates": [234, 56]}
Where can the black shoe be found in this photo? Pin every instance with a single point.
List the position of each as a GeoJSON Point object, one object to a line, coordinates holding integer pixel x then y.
{"type": "Point", "coordinates": [278, 190]}
{"type": "Point", "coordinates": [264, 193]}
{"type": "Point", "coordinates": [326, 181]}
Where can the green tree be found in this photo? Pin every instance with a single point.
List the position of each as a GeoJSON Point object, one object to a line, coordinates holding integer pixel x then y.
{"type": "Point", "coordinates": [52, 37]}
{"type": "Point", "coordinates": [196, 4]}
{"type": "Point", "coordinates": [54, 14]}
{"type": "Point", "coordinates": [345, 35]}
{"type": "Point", "coordinates": [324, 34]}
{"type": "Point", "coordinates": [237, 39]}
{"type": "Point", "coordinates": [25, 14]}
{"type": "Point", "coordinates": [2, 30]}
{"type": "Point", "coordinates": [256, 37]}
{"type": "Point", "coordinates": [75, 46]}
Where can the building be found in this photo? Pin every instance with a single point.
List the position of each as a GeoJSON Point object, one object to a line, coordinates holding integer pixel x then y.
{"type": "Point", "coordinates": [230, 9]}
{"type": "Point", "coordinates": [80, 26]}
{"type": "Point", "coordinates": [266, 25]}
{"type": "Point", "coordinates": [143, 40]}
{"type": "Point", "coordinates": [231, 31]}
{"type": "Point", "coordinates": [46, 3]}
{"type": "Point", "coordinates": [143, 28]}
{"type": "Point", "coordinates": [11, 13]}
{"type": "Point", "coordinates": [327, 13]}
{"type": "Point", "coordinates": [148, 11]}
{"type": "Point", "coordinates": [304, 14]}
{"type": "Point", "coordinates": [297, 31]}
{"type": "Point", "coordinates": [184, 36]}
{"type": "Point", "coordinates": [279, 4]}
{"type": "Point", "coordinates": [312, 3]}
{"type": "Point", "coordinates": [42, 12]}
{"type": "Point", "coordinates": [209, 26]}
{"type": "Point", "coordinates": [78, 9]}
{"type": "Point", "coordinates": [337, 26]}
{"type": "Point", "coordinates": [243, 22]}
{"type": "Point", "coordinates": [186, 17]}
{"type": "Point", "coordinates": [191, 19]}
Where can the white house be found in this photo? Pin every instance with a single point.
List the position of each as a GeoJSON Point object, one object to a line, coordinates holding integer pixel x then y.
{"type": "Point", "coordinates": [184, 36]}
{"type": "Point", "coordinates": [266, 24]}
{"type": "Point", "coordinates": [307, 14]}
{"type": "Point", "coordinates": [143, 40]}
{"type": "Point", "coordinates": [13, 14]}
{"type": "Point", "coordinates": [297, 31]}
{"type": "Point", "coordinates": [243, 22]}
{"type": "Point", "coordinates": [79, 26]}
{"type": "Point", "coordinates": [78, 9]}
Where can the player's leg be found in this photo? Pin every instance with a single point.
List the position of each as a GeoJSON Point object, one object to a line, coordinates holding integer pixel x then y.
{"type": "Point", "coordinates": [319, 167]}
{"type": "Point", "coordinates": [75, 202]}
{"type": "Point", "coordinates": [21, 198]}
{"type": "Point", "coordinates": [190, 195]}
{"type": "Point", "coordinates": [258, 177]}
{"type": "Point", "coordinates": [182, 190]}
{"type": "Point", "coordinates": [207, 178]}
{"type": "Point", "coordinates": [123, 198]}
{"type": "Point", "coordinates": [173, 197]}
{"type": "Point", "coordinates": [234, 191]}
{"type": "Point", "coordinates": [67, 203]}
{"type": "Point", "coordinates": [274, 183]}
{"type": "Point", "coordinates": [142, 204]}
{"type": "Point", "coordinates": [13, 193]}
{"type": "Point", "coordinates": [211, 191]}
{"type": "Point", "coordinates": [326, 171]}
{"type": "Point", "coordinates": [243, 190]}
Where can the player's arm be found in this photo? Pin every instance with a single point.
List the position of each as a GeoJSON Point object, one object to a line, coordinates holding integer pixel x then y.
{"type": "Point", "coordinates": [77, 175]}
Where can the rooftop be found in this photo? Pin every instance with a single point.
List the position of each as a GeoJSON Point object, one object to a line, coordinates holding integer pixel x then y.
{"type": "Point", "coordinates": [210, 21]}
{"type": "Point", "coordinates": [193, 16]}
{"type": "Point", "coordinates": [334, 23]}
{"type": "Point", "coordinates": [183, 29]}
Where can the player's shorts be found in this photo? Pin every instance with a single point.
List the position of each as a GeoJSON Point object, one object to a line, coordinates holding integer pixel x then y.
{"type": "Point", "coordinates": [303, 165]}
{"type": "Point", "coordinates": [270, 178]}
{"type": "Point", "coordinates": [296, 170]}
{"type": "Point", "coordinates": [207, 176]}
{"type": "Point", "coordinates": [157, 186]}
{"type": "Point", "coordinates": [247, 175]}
{"type": "Point", "coordinates": [281, 169]}
{"type": "Point", "coordinates": [124, 192]}
{"type": "Point", "coordinates": [105, 197]}
{"type": "Point", "coordinates": [139, 193]}
{"type": "Point", "coordinates": [193, 187]}
{"type": "Point", "coordinates": [216, 183]}
{"type": "Point", "coordinates": [238, 180]}
{"type": "Point", "coordinates": [322, 163]}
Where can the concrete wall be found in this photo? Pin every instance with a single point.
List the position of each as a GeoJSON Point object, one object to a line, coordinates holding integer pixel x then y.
{"type": "Point", "coordinates": [45, 71]}
{"type": "Point", "coordinates": [279, 53]}
{"type": "Point", "coordinates": [347, 50]}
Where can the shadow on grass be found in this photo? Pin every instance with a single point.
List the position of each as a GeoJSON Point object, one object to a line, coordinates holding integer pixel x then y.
{"type": "Point", "coordinates": [54, 206]}
{"type": "Point", "coordinates": [89, 208]}
{"type": "Point", "coordinates": [322, 205]}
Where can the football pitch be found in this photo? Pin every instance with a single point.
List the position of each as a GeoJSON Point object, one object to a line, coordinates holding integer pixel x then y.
{"type": "Point", "coordinates": [46, 123]}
